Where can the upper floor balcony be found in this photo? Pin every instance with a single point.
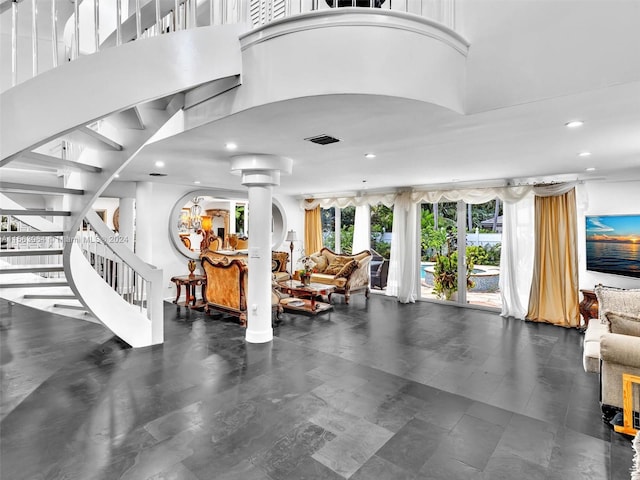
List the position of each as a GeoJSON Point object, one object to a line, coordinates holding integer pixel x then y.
{"type": "Point", "coordinates": [38, 35]}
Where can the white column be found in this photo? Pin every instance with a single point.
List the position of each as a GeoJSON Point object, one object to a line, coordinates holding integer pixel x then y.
{"type": "Point", "coordinates": [260, 173]}
{"type": "Point", "coordinates": [259, 286]}
{"type": "Point", "coordinates": [126, 221]}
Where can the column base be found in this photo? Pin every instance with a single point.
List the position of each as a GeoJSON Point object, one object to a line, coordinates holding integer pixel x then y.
{"type": "Point", "coordinates": [262, 336]}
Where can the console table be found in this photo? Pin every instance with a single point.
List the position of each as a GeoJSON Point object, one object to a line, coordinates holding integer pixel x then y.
{"type": "Point", "coordinates": [190, 282]}
{"type": "Point", "coordinates": [588, 306]}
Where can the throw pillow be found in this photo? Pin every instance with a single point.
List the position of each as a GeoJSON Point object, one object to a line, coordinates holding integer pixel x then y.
{"type": "Point", "coordinates": [347, 270]}
{"type": "Point", "coordinates": [624, 324]}
{"type": "Point", "coordinates": [336, 265]}
{"type": "Point", "coordinates": [275, 265]}
{"type": "Point", "coordinates": [282, 258]}
{"type": "Point", "coordinates": [611, 299]}
{"type": "Point", "coordinates": [321, 263]}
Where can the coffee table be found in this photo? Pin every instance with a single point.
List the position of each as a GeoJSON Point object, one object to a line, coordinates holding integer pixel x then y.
{"type": "Point", "coordinates": [304, 297]}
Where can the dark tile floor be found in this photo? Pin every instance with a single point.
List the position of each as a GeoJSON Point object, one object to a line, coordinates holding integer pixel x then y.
{"type": "Point", "coordinates": [372, 390]}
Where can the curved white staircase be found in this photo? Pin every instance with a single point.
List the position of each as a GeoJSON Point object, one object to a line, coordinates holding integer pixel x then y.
{"type": "Point", "coordinates": [111, 103]}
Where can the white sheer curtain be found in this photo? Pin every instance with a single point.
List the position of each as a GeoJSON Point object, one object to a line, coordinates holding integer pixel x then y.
{"type": "Point", "coordinates": [362, 229]}
{"type": "Point", "coordinates": [516, 257]}
{"type": "Point", "coordinates": [405, 260]}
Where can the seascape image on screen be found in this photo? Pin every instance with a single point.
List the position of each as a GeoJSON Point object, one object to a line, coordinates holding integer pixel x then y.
{"type": "Point", "coordinates": [613, 244]}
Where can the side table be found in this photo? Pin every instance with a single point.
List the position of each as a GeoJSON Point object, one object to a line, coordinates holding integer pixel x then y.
{"type": "Point", "coordinates": [190, 282]}
{"type": "Point", "coordinates": [588, 306]}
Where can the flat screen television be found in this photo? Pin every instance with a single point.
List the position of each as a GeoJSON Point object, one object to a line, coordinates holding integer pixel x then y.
{"type": "Point", "coordinates": [613, 244]}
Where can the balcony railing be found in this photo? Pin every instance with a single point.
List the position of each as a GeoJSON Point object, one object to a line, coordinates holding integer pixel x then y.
{"type": "Point", "coordinates": [72, 29]}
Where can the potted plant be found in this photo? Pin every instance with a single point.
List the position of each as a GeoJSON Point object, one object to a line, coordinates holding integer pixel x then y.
{"type": "Point", "coordinates": [307, 270]}
{"type": "Point", "coordinates": [445, 270]}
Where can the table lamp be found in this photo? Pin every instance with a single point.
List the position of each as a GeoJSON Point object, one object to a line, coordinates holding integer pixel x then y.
{"type": "Point", "coordinates": [291, 237]}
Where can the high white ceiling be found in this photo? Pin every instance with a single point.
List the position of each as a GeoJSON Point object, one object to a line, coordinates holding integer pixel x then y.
{"type": "Point", "coordinates": [416, 144]}
{"type": "Point", "coordinates": [532, 66]}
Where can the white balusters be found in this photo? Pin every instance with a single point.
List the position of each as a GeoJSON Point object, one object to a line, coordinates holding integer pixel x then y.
{"type": "Point", "coordinates": [14, 43]}
{"type": "Point", "coordinates": [118, 22]}
{"type": "Point", "coordinates": [158, 22]}
{"type": "Point", "coordinates": [96, 24]}
{"type": "Point", "coordinates": [54, 32]}
{"type": "Point", "coordinates": [76, 29]}
{"type": "Point", "coordinates": [34, 36]}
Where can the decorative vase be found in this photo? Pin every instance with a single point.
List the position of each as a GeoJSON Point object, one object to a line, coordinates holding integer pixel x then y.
{"type": "Point", "coordinates": [306, 279]}
{"type": "Point", "coordinates": [192, 266]}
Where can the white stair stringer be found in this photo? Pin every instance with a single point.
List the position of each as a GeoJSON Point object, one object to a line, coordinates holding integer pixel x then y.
{"type": "Point", "coordinates": [90, 89]}
{"type": "Point", "coordinates": [125, 320]}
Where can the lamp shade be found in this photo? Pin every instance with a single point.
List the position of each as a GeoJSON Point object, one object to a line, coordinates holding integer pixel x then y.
{"type": "Point", "coordinates": [206, 223]}
{"type": "Point", "coordinates": [291, 236]}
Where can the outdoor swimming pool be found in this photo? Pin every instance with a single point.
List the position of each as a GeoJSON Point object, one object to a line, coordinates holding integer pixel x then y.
{"type": "Point", "coordinates": [485, 277]}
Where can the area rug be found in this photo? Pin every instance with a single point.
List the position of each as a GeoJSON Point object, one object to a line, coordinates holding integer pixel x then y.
{"type": "Point", "coordinates": [635, 469]}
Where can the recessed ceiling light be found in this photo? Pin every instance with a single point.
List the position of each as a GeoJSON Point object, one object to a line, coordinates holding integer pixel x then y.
{"type": "Point", "coordinates": [230, 146]}
{"type": "Point", "coordinates": [197, 182]}
{"type": "Point", "coordinates": [370, 155]}
{"type": "Point", "coordinates": [159, 163]}
{"type": "Point", "coordinates": [117, 175]}
{"type": "Point", "coordinates": [574, 124]}
{"type": "Point", "coordinates": [584, 154]}
{"type": "Point", "coordinates": [590, 169]}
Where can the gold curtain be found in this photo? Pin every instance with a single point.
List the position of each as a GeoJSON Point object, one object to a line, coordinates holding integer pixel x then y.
{"type": "Point", "coordinates": [554, 288]}
{"type": "Point", "coordinates": [312, 231]}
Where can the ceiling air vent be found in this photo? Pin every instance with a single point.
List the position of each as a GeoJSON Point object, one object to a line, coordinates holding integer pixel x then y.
{"type": "Point", "coordinates": [323, 139]}
{"type": "Point", "coordinates": [156, 174]}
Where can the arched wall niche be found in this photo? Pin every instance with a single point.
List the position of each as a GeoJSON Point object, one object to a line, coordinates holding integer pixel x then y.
{"type": "Point", "coordinates": [217, 204]}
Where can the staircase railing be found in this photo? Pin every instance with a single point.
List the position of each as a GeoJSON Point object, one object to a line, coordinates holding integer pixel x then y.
{"type": "Point", "coordinates": [134, 281]}
{"type": "Point", "coordinates": [154, 17]}
{"type": "Point", "coordinates": [18, 236]}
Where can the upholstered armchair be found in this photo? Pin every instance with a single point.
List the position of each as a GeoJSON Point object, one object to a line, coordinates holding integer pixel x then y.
{"type": "Point", "coordinates": [227, 279]}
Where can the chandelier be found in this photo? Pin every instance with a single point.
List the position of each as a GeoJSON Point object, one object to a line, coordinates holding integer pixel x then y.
{"type": "Point", "coordinates": [191, 219]}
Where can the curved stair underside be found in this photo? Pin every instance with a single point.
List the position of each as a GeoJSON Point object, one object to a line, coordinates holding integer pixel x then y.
{"type": "Point", "coordinates": [134, 90]}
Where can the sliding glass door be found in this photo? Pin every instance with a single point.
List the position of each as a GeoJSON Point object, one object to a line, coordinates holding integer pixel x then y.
{"type": "Point", "coordinates": [448, 228]}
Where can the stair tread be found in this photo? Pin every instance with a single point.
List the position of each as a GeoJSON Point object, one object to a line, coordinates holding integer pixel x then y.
{"type": "Point", "coordinates": [38, 233]}
{"type": "Point", "coordinates": [18, 252]}
{"type": "Point", "coordinates": [53, 296]}
{"type": "Point", "coordinates": [45, 282]}
{"type": "Point", "coordinates": [26, 187]}
{"type": "Point", "coordinates": [21, 268]}
{"type": "Point", "coordinates": [50, 161]}
{"type": "Point", "coordinates": [79, 306]}
{"type": "Point", "coordinates": [36, 212]}
{"type": "Point", "coordinates": [108, 142]}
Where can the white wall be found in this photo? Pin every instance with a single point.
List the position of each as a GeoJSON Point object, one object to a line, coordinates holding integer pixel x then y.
{"type": "Point", "coordinates": [109, 205]}
{"type": "Point", "coordinates": [607, 198]}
